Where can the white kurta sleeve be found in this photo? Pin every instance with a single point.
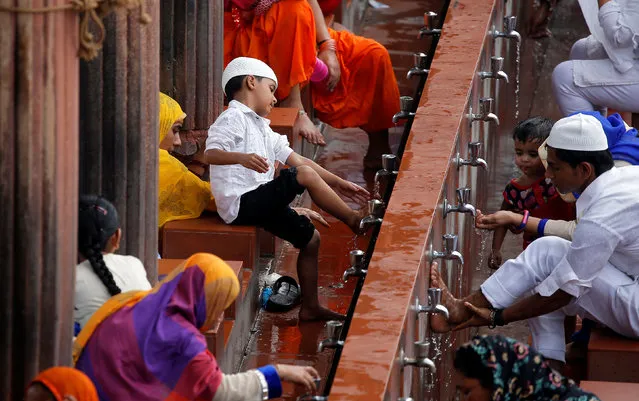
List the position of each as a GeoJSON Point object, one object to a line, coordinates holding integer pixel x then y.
{"type": "Point", "coordinates": [590, 249]}
{"type": "Point", "coordinates": [560, 228]}
{"type": "Point", "coordinates": [227, 132]}
{"type": "Point", "coordinates": [281, 146]}
{"type": "Point", "coordinates": [243, 386]}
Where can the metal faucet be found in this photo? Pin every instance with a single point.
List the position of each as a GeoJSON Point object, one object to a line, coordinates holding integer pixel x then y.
{"type": "Point", "coordinates": [357, 260]}
{"type": "Point", "coordinates": [485, 111]}
{"type": "Point", "coordinates": [309, 397]}
{"type": "Point", "coordinates": [420, 68]}
{"type": "Point", "coordinates": [510, 23]}
{"type": "Point", "coordinates": [405, 107]}
{"type": "Point", "coordinates": [389, 167]}
{"type": "Point", "coordinates": [375, 213]}
{"type": "Point", "coordinates": [449, 243]}
{"type": "Point", "coordinates": [333, 328]}
{"type": "Point", "coordinates": [496, 64]}
{"type": "Point", "coordinates": [434, 303]}
{"type": "Point", "coordinates": [463, 194]}
{"type": "Point", "coordinates": [429, 29]}
{"type": "Point", "coordinates": [421, 359]}
{"type": "Point", "coordinates": [473, 153]}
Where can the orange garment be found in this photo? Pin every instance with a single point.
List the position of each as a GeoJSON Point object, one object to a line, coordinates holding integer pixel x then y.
{"type": "Point", "coordinates": [283, 37]}
{"type": "Point", "coordinates": [367, 94]}
{"type": "Point", "coordinates": [62, 381]}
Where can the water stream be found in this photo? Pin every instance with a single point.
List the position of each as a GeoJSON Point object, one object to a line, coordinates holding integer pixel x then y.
{"type": "Point", "coordinates": [517, 68]}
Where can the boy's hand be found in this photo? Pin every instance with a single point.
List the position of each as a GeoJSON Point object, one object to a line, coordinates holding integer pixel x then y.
{"type": "Point", "coordinates": [255, 162]}
{"type": "Point", "coordinates": [305, 127]}
{"type": "Point", "coordinates": [302, 375]}
{"type": "Point", "coordinates": [352, 191]}
{"type": "Point", "coordinates": [311, 214]}
{"type": "Point", "coordinates": [495, 259]}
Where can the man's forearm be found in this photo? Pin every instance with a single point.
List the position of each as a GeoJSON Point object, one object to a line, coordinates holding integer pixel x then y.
{"type": "Point", "coordinates": [221, 157]}
{"type": "Point", "coordinates": [320, 23]}
{"type": "Point", "coordinates": [536, 305]}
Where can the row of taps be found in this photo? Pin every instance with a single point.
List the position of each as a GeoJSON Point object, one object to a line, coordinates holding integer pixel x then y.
{"type": "Point", "coordinates": [390, 169]}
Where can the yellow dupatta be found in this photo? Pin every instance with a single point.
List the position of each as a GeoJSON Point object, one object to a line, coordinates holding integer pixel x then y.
{"type": "Point", "coordinates": [182, 195]}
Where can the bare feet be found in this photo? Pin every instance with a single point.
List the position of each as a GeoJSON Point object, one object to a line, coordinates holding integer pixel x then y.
{"type": "Point", "coordinates": [457, 312]}
{"type": "Point", "coordinates": [319, 313]}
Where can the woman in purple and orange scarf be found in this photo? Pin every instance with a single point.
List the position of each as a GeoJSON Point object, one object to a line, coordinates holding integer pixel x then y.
{"type": "Point", "coordinates": [149, 346]}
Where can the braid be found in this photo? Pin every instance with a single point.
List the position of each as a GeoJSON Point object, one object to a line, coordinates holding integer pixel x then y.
{"type": "Point", "coordinates": [92, 238]}
{"type": "Point", "coordinates": [94, 255]}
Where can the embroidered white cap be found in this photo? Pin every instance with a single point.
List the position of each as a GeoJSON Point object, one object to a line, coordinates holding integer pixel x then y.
{"type": "Point", "coordinates": [247, 66]}
{"type": "Point", "coordinates": [578, 132]}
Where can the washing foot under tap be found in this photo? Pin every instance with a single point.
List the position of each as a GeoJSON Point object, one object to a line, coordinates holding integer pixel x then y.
{"type": "Point", "coordinates": [474, 159]}
{"type": "Point", "coordinates": [420, 68]}
{"type": "Point", "coordinates": [463, 195]}
{"type": "Point", "coordinates": [496, 65]}
{"type": "Point", "coordinates": [357, 265]}
{"type": "Point", "coordinates": [434, 303]}
{"type": "Point", "coordinates": [510, 23]}
{"type": "Point", "coordinates": [405, 107]}
{"type": "Point", "coordinates": [429, 29]}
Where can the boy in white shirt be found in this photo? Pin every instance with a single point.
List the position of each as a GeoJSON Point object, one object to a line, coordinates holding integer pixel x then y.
{"type": "Point", "coordinates": [242, 150]}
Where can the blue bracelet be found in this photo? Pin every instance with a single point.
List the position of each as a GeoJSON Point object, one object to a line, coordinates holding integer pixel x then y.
{"type": "Point", "coordinates": [273, 381]}
{"type": "Point", "coordinates": [541, 226]}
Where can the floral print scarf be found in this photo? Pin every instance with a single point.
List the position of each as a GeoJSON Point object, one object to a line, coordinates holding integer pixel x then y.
{"type": "Point", "coordinates": [520, 373]}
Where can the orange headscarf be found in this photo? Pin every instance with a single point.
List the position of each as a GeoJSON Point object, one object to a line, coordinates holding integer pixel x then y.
{"type": "Point", "coordinates": [62, 381]}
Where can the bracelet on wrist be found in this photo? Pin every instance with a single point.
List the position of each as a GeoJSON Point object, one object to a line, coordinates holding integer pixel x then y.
{"type": "Point", "coordinates": [496, 318]}
{"type": "Point", "coordinates": [523, 223]}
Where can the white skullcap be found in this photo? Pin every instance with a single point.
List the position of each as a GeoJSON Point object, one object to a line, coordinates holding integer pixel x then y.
{"type": "Point", "coordinates": [578, 132]}
{"type": "Point", "coordinates": [247, 66]}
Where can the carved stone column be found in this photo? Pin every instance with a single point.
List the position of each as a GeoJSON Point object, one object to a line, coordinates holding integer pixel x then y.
{"type": "Point", "coordinates": [119, 128]}
{"type": "Point", "coordinates": [38, 190]}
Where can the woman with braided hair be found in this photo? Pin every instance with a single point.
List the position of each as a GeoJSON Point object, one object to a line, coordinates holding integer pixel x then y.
{"type": "Point", "coordinates": [100, 273]}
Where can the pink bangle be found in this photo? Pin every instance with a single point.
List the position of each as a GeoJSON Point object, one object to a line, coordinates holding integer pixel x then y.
{"type": "Point", "coordinates": [524, 221]}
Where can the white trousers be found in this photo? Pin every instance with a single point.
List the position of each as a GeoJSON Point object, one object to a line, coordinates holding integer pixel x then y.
{"type": "Point", "coordinates": [612, 300]}
{"type": "Point", "coordinates": [572, 98]}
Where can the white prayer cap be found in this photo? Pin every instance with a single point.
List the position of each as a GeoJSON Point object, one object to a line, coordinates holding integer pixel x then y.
{"type": "Point", "coordinates": [578, 132]}
{"type": "Point", "coordinates": [247, 66]}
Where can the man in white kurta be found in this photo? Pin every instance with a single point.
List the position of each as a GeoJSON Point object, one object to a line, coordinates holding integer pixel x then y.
{"type": "Point", "coordinates": [596, 275]}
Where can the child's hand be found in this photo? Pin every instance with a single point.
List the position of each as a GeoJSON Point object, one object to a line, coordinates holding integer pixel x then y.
{"type": "Point", "coordinates": [311, 214]}
{"type": "Point", "coordinates": [494, 260]}
{"type": "Point", "coordinates": [302, 375]}
{"type": "Point", "coordinates": [352, 191]}
{"type": "Point", "coordinates": [498, 219]}
{"type": "Point", "coordinates": [255, 162]}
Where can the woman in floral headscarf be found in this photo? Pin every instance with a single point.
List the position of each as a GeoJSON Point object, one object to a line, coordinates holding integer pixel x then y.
{"type": "Point", "coordinates": [496, 368]}
{"type": "Point", "coordinates": [182, 195]}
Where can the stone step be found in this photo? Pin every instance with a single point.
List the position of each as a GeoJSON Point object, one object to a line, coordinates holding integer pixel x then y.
{"type": "Point", "coordinates": [612, 391]}
{"type": "Point", "coordinates": [612, 357]}
{"type": "Point", "coordinates": [209, 233]}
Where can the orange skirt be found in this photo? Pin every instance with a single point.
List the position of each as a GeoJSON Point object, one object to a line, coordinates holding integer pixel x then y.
{"type": "Point", "coordinates": [367, 94]}
{"type": "Point", "coordinates": [284, 38]}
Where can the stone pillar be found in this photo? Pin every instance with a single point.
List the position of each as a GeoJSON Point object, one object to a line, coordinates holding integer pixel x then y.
{"type": "Point", "coordinates": [192, 57]}
{"type": "Point", "coordinates": [119, 126]}
{"type": "Point", "coordinates": [38, 190]}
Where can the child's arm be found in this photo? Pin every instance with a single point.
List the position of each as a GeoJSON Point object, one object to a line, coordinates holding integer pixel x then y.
{"type": "Point", "coordinates": [249, 160]}
{"type": "Point", "coordinates": [347, 188]}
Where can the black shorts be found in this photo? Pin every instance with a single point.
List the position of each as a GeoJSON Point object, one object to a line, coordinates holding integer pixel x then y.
{"type": "Point", "coordinates": [267, 206]}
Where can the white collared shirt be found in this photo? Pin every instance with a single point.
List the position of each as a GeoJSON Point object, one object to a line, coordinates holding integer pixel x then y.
{"type": "Point", "coordinates": [240, 129]}
{"type": "Point", "coordinates": [608, 232]}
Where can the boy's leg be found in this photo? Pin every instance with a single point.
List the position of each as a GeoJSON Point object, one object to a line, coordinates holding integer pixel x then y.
{"type": "Point", "coordinates": [324, 197]}
{"type": "Point", "coordinates": [307, 274]}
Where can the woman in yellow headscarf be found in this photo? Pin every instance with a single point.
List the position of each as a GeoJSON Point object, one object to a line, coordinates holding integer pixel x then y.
{"type": "Point", "coordinates": [61, 384]}
{"type": "Point", "coordinates": [182, 195]}
{"type": "Point", "coordinates": [149, 345]}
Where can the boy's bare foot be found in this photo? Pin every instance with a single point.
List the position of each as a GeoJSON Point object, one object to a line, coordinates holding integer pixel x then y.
{"type": "Point", "coordinates": [458, 313]}
{"type": "Point", "coordinates": [319, 313]}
